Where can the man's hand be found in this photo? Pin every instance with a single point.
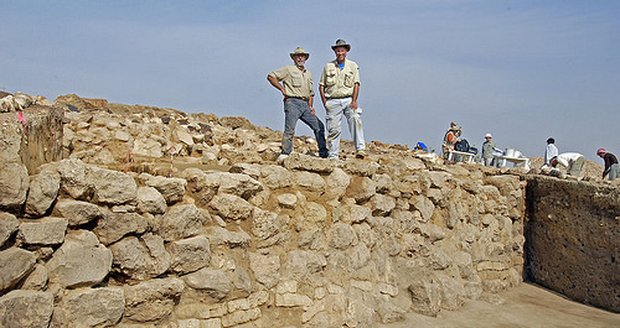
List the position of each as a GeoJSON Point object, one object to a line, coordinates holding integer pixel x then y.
{"type": "Point", "coordinates": [353, 105]}
{"type": "Point", "coordinates": [312, 110]}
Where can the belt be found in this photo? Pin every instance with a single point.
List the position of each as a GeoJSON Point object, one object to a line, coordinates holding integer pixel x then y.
{"type": "Point", "coordinates": [301, 98]}
{"type": "Point", "coordinates": [330, 98]}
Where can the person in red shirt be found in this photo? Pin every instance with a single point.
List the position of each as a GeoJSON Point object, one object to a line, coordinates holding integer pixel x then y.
{"type": "Point", "coordinates": [611, 164]}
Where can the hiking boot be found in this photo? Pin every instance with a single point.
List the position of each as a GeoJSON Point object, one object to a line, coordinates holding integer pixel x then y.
{"type": "Point", "coordinates": [360, 154]}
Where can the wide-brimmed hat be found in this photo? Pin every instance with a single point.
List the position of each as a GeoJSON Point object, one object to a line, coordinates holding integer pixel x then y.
{"type": "Point", "coordinates": [341, 43]}
{"type": "Point", "coordinates": [488, 135]}
{"type": "Point", "coordinates": [300, 51]}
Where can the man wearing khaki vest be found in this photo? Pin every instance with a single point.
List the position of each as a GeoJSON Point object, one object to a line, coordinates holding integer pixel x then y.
{"type": "Point", "coordinates": [296, 88]}
{"type": "Point", "coordinates": [339, 88]}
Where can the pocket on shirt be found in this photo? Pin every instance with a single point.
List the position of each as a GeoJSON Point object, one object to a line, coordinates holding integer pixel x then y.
{"type": "Point", "coordinates": [296, 79]}
{"type": "Point", "coordinates": [348, 80]}
{"type": "Point", "coordinates": [330, 77]}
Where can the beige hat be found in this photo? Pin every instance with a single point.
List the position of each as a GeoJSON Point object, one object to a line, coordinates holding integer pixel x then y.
{"type": "Point", "coordinates": [299, 51]}
{"type": "Point", "coordinates": [488, 135]}
{"type": "Point", "coordinates": [341, 43]}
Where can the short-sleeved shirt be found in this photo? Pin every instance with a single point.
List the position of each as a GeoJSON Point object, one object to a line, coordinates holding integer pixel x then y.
{"type": "Point", "coordinates": [297, 83]}
{"type": "Point", "coordinates": [339, 83]}
{"type": "Point", "coordinates": [567, 158]}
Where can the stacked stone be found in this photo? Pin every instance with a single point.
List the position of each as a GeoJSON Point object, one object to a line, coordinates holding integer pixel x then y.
{"type": "Point", "coordinates": [308, 243]}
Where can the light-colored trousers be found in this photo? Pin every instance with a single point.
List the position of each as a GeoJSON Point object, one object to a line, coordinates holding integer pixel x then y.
{"type": "Point", "coordinates": [335, 109]}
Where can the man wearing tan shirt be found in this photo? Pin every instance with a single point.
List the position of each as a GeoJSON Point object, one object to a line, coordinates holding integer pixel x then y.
{"type": "Point", "coordinates": [296, 88]}
{"type": "Point", "coordinates": [339, 87]}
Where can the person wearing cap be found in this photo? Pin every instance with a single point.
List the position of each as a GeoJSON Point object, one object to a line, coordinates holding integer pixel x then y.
{"type": "Point", "coordinates": [550, 151]}
{"type": "Point", "coordinates": [450, 138]}
{"type": "Point", "coordinates": [339, 89]}
{"type": "Point", "coordinates": [611, 164]}
{"type": "Point", "coordinates": [572, 161]}
{"type": "Point", "coordinates": [488, 147]}
{"type": "Point", "coordinates": [295, 84]}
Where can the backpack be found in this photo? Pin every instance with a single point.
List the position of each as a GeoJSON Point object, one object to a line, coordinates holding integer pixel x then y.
{"type": "Point", "coordinates": [462, 145]}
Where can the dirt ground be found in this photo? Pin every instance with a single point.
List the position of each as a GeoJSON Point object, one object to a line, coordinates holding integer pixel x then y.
{"type": "Point", "coordinates": [527, 306]}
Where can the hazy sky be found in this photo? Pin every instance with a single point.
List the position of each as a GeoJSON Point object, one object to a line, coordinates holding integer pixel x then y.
{"type": "Point", "coordinates": [522, 70]}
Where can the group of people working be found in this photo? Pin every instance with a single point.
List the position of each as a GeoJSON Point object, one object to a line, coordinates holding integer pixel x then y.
{"type": "Point", "coordinates": [339, 90]}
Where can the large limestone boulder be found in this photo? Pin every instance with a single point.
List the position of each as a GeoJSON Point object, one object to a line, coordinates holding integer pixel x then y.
{"type": "Point", "coordinates": [231, 207]}
{"type": "Point", "coordinates": [151, 201]}
{"type": "Point", "coordinates": [8, 225]}
{"type": "Point", "coordinates": [141, 258]}
{"type": "Point", "coordinates": [266, 269]}
{"type": "Point", "coordinates": [337, 183]}
{"type": "Point", "coordinates": [303, 162]}
{"type": "Point", "coordinates": [111, 227]}
{"type": "Point", "coordinates": [76, 212]}
{"type": "Point", "coordinates": [275, 177]}
{"type": "Point", "coordinates": [15, 263]}
{"type": "Point", "coordinates": [93, 307]}
{"type": "Point", "coordinates": [301, 263]}
{"type": "Point", "coordinates": [189, 255]}
{"type": "Point", "coordinates": [14, 182]}
{"type": "Point", "coordinates": [80, 261]}
{"type": "Point", "coordinates": [215, 283]}
{"type": "Point", "coordinates": [172, 189]}
{"type": "Point", "coordinates": [182, 221]}
{"type": "Point", "coordinates": [112, 187]}
{"type": "Point", "coordinates": [43, 191]}
{"type": "Point", "coordinates": [361, 189]}
{"type": "Point", "coordinates": [425, 295]}
{"type": "Point", "coordinates": [25, 308]}
{"type": "Point", "coordinates": [46, 231]}
{"type": "Point", "coordinates": [152, 300]}
{"type": "Point", "coordinates": [73, 178]}
{"type": "Point", "coordinates": [241, 185]}
{"type": "Point", "coordinates": [221, 236]}
{"type": "Point", "coordinates": [147, 147]}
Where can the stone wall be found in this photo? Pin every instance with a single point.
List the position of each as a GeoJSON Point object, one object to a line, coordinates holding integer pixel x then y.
{"type": "Point", "coordinates": [234, 239]}
{"type": "Point", "coordinates": [573, 239]}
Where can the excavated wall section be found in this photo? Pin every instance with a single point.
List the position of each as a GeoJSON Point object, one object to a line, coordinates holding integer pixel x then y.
{"type": "Point", "coordinates": [573, 239]}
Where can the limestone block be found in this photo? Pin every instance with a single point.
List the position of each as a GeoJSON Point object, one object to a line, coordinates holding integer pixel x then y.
{"type": "Point", "coordinates": [141, 258]}
{"type": "Point", "coordinates": [147, 147]}
{"type": "Point", "coordinates": [181, 221]}
{"type": "Point", "coordinates": [267, 224]}
{"type": "Point", "coordinates": [231, 207]}
{"type": "Point", "coordinates": [189, 255]}
{"type": "Point", "coordinates": [73, 180]}
{"type": "Point", "coordinates": [240, 185]}
{"type": "Point", "coordinates": [438, 179]}
{"type": "Point", "coordinates": [152, 300]}
{"type": "Point", "coordinates": [254, 300]}
{"type": "Point", "coordinates": [361, 168]}
{"type": "Point", "coordinates": [215, 283]}
{"type": "Point", "coordinates": [383, 182]}
{"type": "Point", "coordinates": [309, 181]}
{"type": "Point", "coordinates": [288, 201]}
{"type": "Point", "coordinates": [424, 205]}
{"type": "Point", "coordinates": [354, 213]}
{"type": "Point", "coordinates": [361, 189]}
{"type": "Point", "coordinates": [8, 225]}
{"type": "Point", "coordinates": [14, 183]}
{"type": "Point", "coordinates": [358, 256]}
{"type": "Point", "coordinates": [37, 279]}
{"type": "Point", "coordinates": [111, 187]}
{"type": "Point", "coordinates": [439, 260]}
{"type": "Point", "coordinates": [266, 268]}
{"type": "Point", "coordinates": [43, 191]}
{"type": "Point", "coordinates": [275, 177]}
{"type": "Point", "coordinates": [337, 183]}
{"type": "Point", "coordinates": [389, 312]}
{"type": "Point", "coordinates": [220, 236]}
{"type": "Point", "coordinates": [341, 236]}
{"type": "Point", "coordinates": [301, 263]}
{"type": "Point", "coordinates": [15, 263]}
{"type": "Point", "coordinates": [301, 162]}
{"type": "Point", "coordinates": [25, 308]}
{"type": "Point", "coordinates": [359, 314]}
{"type": "Point", "coordinates": [425, 295]}
{"type": "Point", "coordinates": [240, 317]}
{"type": "Point", "coordinates": [76, 212]}
{"type": "Point", "coordinates": [382, 205]}
{"type": "Point", "coordinates": [452, 292]}
{"type": "Point", "coordinates": [93, 307]}
{"type": "Point", "coordinates": [253, 170]}
{"type": "Point", "coordinates": [151, 201]}
{"type": "Point", "coordinates": [46, 231]}
{"type": "Point", "coordinates": [314, 213]}
{"type": "Point", "coordinates": [292, 300]}
{"type": "Point", "coordinates": [172, 189]}
{"type": "Point", "coordinates": [80, 261]}
{"type": "Point", "coordinates": [111, 227]}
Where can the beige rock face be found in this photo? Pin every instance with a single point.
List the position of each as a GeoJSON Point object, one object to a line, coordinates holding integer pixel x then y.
{"type": "Point", "coordinates": [189, 255]}
{"type": "Point", "coordinates": [111, 227]}
{"type": "Point", "coordinates": [24, 308]}
{"type": "Point", "coordinates": [151, 201]}
{"type": "Point", "coordinates": [8, 225]}
{"type": "Point", "coordinates": [94, 307]}
{"type": "Point", "coordinates": [15, 263]}
{"type": "Point", "coordinates": [43, 191]}
{"type": "Point", "coordinates": [151, 300]}
{"type": "Point", "coordinates": [141, 258]}
{"type": "Point", "coordinates": [80, 261]}
{"type": "Point", "coordinates": [77, 212]}
{"type": "Point", "coordinates": [112, 187]}
{"type": "Point", "coordinates": [181, 221]}
{"type": "Point", "coordinates": [172, 189]}
{"type": "Point", "coordinates": [46, 231]}
{"type": "Point", "coordinates": [13, 185]}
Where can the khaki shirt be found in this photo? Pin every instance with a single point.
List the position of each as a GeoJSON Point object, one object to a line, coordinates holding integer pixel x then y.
{"type": "Point", "coordinates": [296, 83]}
{"type": "Point", "coordinates": [340, 83]}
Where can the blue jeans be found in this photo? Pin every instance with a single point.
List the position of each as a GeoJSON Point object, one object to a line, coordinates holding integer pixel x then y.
{"type": "Point", "coordinates": [298, 109]}
{"type": "Point", "coordinates": [335, 109]}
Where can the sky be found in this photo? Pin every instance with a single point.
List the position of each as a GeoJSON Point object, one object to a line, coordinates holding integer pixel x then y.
{"type": "Point", "coordinates": [521, 70]}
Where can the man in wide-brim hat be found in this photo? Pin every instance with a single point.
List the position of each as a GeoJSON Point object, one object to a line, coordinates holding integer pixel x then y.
{"type": "Point", "coordinates": [339, 88]}
{"type": "Point", "coordinates": [295, 84]}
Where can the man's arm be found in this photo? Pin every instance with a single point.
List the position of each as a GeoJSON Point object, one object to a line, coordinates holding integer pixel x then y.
{"type": "Point", "coordinates": [356, 92]}
{"type": "Point", "coordinates": [323, 98]}
{"type": "Point", "coordinates": [276, 84]}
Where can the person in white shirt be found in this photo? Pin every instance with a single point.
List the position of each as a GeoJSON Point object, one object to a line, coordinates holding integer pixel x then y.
{"type": "Point", "coordinates": [550, 151]}
{"type": "Point", "coordinates": [572, 161]}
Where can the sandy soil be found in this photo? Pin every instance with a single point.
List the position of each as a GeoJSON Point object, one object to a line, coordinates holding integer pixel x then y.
{"type": "Point", "coordinates": [527, 306]}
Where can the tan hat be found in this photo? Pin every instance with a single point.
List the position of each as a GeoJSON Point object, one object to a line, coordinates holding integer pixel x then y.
{"type": "Point", "coordinates": [488, 135]}
{"type": "Point", "coordinates": [341, 43]}
{"type": "Point", "coordinates": [299, 51]}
